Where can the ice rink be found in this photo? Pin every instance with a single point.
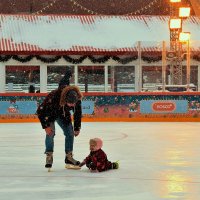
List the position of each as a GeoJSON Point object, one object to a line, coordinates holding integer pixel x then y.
{"type": "Point", "coordinates": [157, 161]}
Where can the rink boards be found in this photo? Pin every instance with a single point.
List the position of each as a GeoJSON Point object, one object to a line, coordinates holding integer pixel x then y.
{"type": "Point", "coordinates": [137, 106]}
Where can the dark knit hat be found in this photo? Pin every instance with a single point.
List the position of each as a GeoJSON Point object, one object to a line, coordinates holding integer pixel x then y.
{"type": "Point", "coordinates": [71, 97]}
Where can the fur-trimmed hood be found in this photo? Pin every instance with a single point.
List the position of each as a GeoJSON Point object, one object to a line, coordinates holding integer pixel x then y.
{"type": "Point", "coordinates": [64, 92]}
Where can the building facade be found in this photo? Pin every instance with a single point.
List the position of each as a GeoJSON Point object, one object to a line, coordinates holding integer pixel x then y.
{"type": "Point", "coordinates": [105, 53]}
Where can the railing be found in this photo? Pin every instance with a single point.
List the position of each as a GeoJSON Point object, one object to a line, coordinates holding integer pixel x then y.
{"type": "Point", "coordinates": [91, 88]}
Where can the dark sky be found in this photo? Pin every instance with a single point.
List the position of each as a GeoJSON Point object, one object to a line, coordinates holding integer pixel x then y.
{"type": "Point", "coordinates": [87, 7]}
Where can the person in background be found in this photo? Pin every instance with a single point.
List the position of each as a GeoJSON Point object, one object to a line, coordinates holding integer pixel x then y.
{"type": "Point", "coordinates": [97, 160]}
{"type": "Point", "coordinates": [66, 79]}
{"type": "Point", "coordinates": [57, 107]}
{"type": "Point", "coordinates": [31, 89]}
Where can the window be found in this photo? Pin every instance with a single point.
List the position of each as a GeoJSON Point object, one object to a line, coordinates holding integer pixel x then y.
{"type": "Point", "coordinates": [22, 78]}
{"type": "Point", "coordinates": [55, 74]}
{"type": "Point", "coordinates": [91, 78]}
{"type": "Point", "coordinates": [121, 78]}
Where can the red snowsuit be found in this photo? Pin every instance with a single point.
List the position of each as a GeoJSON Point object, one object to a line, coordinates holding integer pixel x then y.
{"type": "Point", "coordinates": [97, 160]}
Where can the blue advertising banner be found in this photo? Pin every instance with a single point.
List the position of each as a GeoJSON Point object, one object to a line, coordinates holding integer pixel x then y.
{"type": "Point", "coordinates": [163, 106]}
{"type": "Point", "coordinates": [88, 107]}
{"type": "Point", "coordinates": [30, 107]}
{"type": "Point", "coordinates": [18, 107]}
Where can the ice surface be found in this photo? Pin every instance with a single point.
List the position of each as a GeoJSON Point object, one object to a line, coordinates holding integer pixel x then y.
{"type": "Point", "coordinates": [157, 161]}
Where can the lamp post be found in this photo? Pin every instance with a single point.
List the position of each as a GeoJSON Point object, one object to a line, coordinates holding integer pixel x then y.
{"type": "Point", "coordinates": [175, 26]}
{"type": "Point", "coordinates": [185, 38]}
{"type": "Point", "coordinates": [177, 15]}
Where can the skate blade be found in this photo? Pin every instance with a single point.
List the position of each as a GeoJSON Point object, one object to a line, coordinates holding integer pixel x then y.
{"type": "Point", "coordinates": [49, 170]}
{"type": "Point", "coordinates": [69, 166]}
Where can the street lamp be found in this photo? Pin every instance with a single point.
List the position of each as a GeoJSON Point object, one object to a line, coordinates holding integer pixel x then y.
{"type": "Point", "coordinates": [184, 37]}
{"type": "Point", "coordinates": [175, 1]}
{"type": "Point", "coordinates": [177, 16]}
{"type": "Point", "coordinates": [175, 23]}
{"type": "Point", "coordinates": [184, 12]}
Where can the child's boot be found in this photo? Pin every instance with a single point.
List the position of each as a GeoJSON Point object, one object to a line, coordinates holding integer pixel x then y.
{"type": "Point", "coordinates": [115, 165]}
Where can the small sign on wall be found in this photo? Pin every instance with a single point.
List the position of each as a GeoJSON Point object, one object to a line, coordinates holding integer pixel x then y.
{"type": "Point", "coordinates": [30, 107]}
{"type": "Point", "coordinates": [163, 106]}
{"type": "Point", "coordinates": [18, 107]}
{"type": "Point", "coordinates": [88, 107]}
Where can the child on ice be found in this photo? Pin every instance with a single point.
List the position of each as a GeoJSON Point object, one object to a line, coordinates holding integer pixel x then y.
{"type": "Point", "coordinates": [97, 160]}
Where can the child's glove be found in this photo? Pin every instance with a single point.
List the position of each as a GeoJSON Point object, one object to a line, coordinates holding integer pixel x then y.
{"type": "Point", "coordinates": [91, 166]}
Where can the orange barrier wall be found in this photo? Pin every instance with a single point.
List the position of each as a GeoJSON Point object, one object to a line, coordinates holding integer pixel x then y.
{"type": "Point", "coordinates": [116, 107]}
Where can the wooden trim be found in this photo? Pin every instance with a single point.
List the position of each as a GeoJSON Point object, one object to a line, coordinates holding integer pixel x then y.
{"type": "Point", "coordinates": [85, 119]}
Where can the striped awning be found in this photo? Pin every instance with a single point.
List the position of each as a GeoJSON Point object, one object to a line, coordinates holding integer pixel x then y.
{"type": "Point", "coordinates": [75, 34]}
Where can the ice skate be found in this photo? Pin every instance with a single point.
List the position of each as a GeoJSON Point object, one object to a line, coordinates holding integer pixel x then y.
{"type": "Point", "coordinates": [70, 162]}
{"type": "Point", "coordinates": [49, 160]}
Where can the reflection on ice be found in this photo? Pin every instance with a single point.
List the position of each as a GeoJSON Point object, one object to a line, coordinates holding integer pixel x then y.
{"type": "Point", "coordinates": [174, 185]}
{"type": "Point", "coordinates": [175, 157]}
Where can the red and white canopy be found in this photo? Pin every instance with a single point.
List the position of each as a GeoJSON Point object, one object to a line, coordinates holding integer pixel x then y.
{"type": "Point", "coordinates": [75, 34]}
